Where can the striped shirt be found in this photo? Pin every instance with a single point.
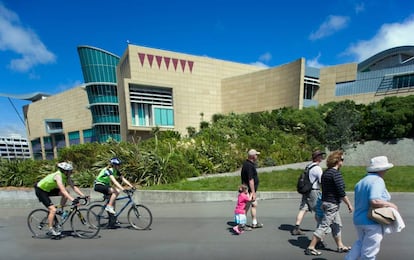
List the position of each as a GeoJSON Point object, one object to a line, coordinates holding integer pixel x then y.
{"type": "Point", "coordinates": [333, 186]}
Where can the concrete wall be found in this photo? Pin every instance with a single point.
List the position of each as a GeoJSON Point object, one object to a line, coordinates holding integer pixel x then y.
{"type": "Point", "coordinates": [399, 152]}
{"type": "Point", "coordinates": [265, 90]}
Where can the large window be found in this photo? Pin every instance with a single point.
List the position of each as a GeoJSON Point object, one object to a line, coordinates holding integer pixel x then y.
{"type": "Point", "coordinates": [151, 106]}
{"type": "Point", "coordinates": [310, 88]}
{"type": "Point", "coordinates": [54, 126]}
{"type": "Point", "coordinates": [403, 81]}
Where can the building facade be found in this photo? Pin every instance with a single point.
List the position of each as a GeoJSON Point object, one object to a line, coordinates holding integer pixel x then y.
{"type": "Point", "coordinates": [125, 98]}
{"type": "Point", "coordinates": [14, 148]}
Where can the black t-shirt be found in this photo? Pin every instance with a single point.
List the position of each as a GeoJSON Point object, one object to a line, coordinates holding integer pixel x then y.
{"type": "Point", "coordinates": [249, 172]}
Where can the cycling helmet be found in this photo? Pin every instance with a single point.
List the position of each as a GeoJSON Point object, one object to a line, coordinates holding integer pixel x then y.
{"type": "Point", "coordinates": [115, 161]}
{"type": "Point", "coordinates": [65, 166]}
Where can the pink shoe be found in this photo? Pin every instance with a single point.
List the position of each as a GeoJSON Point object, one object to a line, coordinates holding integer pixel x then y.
{"type": "Point", "coordinates": [237, 230]}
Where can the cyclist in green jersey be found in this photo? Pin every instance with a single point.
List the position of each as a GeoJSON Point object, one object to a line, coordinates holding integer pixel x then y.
{"type": "Point", "coordinates": [55, 184]}
{"type": "Point", "coordinates": [107, 175]}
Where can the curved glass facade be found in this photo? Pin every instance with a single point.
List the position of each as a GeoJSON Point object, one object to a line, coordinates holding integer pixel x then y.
{"type": "Point", "coordinates": [99, 73]}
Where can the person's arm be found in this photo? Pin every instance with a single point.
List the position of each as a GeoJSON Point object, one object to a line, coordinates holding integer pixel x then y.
{"type": "Point", "coordinates": [75, 188]}
{"type": "Point", "coordinates": [62, 187]}
{"type": "Point", "coordinates": [377, 203]}
{"type": "Point", "coordinates": [115, 182]}
{"type": "Point", "coordinates": [127, 182]}
{"type": "Point", "coordinates": [348, 203]}
{"type": "Point", "coordinates": [252, 189]}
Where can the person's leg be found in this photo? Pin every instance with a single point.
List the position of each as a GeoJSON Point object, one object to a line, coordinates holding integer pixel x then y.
{"type": "Point", "coordinates": [296, 230]}
{"type": "Point", "coordinates": [355, 252]}
{"type": "Point", "coordinates": [336, 227]}
{"type": "Point", "coordinates": [253, 212]}
{"type": "Point", "coordinates": [114, 194]}
{"type": "Point", "coordinates": [303, 208]}
{"type": "Point", "coordinates": [371, 243]}
{"type": "Point", "coordinates": [324, 228]}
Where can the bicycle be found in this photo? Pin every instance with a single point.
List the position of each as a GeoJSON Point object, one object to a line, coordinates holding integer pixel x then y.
{"type": "Point", "coordinates": [83, 228]}
{"type": "Point", "coordinates": [139, 216]}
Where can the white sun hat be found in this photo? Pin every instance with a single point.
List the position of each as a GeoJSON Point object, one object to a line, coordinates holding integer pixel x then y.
{"type": "Point", "coordinates": [378, 164]}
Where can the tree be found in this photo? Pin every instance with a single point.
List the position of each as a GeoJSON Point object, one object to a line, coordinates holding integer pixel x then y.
{"type": "Point", "coordinates": [342, 123]}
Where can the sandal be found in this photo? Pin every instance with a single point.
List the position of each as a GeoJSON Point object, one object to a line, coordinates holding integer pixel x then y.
{"type": "Point", "coordinates": [344, 249]}
{"type": "Point", "coordinates": [258, 225]}
{"type": "Point", "coordinates": [312, 251]}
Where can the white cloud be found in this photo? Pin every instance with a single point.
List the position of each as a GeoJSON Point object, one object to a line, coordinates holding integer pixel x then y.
{"type": "Point", "coordinates": [388, 36]}
{"type": "Point", "coordinates": [332, 24]}
{"type": "Point", "coordinates": [359, 8]}
{"type": "Point", "coordinates": [266, 57]}
{"type": "Point", "coordinates": [259, 64]}
{"type": "Point", "coordinates": [13, 129]}
{"type": "Point", "coordinates": [68, 85]}
{"type": "Point", "coordinates": [263, 60]}
{"type": "Point", "coordinates": [23, 41]}
{"type": "Point", "coordinates": [315, 62]}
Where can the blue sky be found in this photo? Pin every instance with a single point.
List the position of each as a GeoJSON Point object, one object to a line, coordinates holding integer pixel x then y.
{"type": "Point", "coordinates": [38, 39]}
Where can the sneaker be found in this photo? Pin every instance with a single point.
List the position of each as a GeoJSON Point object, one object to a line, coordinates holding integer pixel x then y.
{"type": "Point", "coordinates": [53, 232]}
{"type": "Point", "coordinates": [312, 251]}
{"type": "Point", "coordinates": [258, 225]}
{"type": "Point", "coordinates": [237, 230]}
{"type": "Point", "coordinates": [297, 232]}
{"type": "Point", "coordinates": [110, 210]}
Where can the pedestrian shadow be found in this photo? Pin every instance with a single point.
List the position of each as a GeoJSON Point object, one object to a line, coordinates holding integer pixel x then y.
{"type": "Point", "coordinates": [230, 228]}
{"type": "Point", "coordinates": [288, 227]}
{"type": "Point", "coordinates": [301, 242]}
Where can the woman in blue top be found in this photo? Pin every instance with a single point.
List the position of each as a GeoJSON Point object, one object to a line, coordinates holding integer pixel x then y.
{"type": "Point", "coordinates": [370, 191]}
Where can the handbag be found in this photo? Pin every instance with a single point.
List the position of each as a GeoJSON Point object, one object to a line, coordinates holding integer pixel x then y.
{"type": "Point", "coordinates": [383, 216]}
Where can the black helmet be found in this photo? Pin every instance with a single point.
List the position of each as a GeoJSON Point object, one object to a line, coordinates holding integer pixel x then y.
{"type": "Point", "coordinates": [115, 161]}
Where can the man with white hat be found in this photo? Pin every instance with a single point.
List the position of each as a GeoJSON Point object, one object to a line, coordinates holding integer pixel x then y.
{"type": "Point", "coordinates": [250, 178]}
{"type": "Point", "coordinates": [370, 191]}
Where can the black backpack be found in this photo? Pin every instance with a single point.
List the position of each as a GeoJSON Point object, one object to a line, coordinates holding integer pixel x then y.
{"type": "Point", "coordinates": [304, 186]}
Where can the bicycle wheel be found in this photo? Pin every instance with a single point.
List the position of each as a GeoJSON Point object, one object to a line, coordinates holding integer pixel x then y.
{"type": "Point", "coordinates": [97, 215]}
{"type": "Point", "coordinates": [38, 223]}
{"type": "Point", "coordinates": [140, 217]}
{"type": "Point", "coordinates": [81, 225]}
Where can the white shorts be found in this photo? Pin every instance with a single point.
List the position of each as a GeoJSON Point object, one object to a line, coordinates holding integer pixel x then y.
{"type": "Point", "coordinates": [240, 218]}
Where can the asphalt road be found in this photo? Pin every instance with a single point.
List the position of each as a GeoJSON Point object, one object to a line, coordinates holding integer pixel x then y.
{"type": "Point", "coordinates": [198, 231]}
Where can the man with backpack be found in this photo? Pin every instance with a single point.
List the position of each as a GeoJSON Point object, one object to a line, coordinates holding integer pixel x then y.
{"type": "Point", "coordinates": [310, 198]}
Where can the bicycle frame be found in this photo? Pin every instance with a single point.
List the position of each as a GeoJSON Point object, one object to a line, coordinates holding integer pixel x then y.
{"type": "Point", "coordinates": [138, 215]}
{"type": "Point", "coordinates": [129, 202]}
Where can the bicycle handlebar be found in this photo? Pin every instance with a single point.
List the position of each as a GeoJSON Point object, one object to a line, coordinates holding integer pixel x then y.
{"type": "Point", "coordinates": [82, 200]}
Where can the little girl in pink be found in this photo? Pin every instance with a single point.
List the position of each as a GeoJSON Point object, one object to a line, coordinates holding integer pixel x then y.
{"type": "Point", "coordinates": [240, 211]}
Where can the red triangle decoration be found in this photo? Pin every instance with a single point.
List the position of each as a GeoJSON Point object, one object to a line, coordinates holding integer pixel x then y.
{"type": "Point", "coordinates": [141, 58]}
{"type": "Point", "coordinates": [190, 65]}
{"type": "Point", "coordinates": [150, 59]}
{"type": "Point", "coordinates": [175, 62]}
{"type": "Point", "coordinates": [183, 64]}
{"type": "Point", "coordinates": [167, 62]}
{"type": "Point", "coordinates": [159, 59]}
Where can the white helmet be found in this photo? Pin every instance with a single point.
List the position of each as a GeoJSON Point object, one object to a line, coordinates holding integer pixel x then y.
{"type": "Point", "coordinates": [65, 166]}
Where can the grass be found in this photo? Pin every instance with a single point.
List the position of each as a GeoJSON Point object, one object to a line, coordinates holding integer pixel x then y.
{"type": "Point", "coordinates": [397, 179]}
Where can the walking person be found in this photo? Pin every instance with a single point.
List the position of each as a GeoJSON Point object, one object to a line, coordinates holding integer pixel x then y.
{"type": "Point", "coordinates": [250, 178]}
{"type": "Point", "coordinates": [370, 191]}
{"type": "Point", "coordinates": [240, 211]}
{"type": "Point", "coordinates": [309, 201]}
{"type": "Point", "coordinates": [333, 192]}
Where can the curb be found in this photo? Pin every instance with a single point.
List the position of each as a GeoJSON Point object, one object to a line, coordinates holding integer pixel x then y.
{"type": "Point", "coordinates": [28, 199]}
